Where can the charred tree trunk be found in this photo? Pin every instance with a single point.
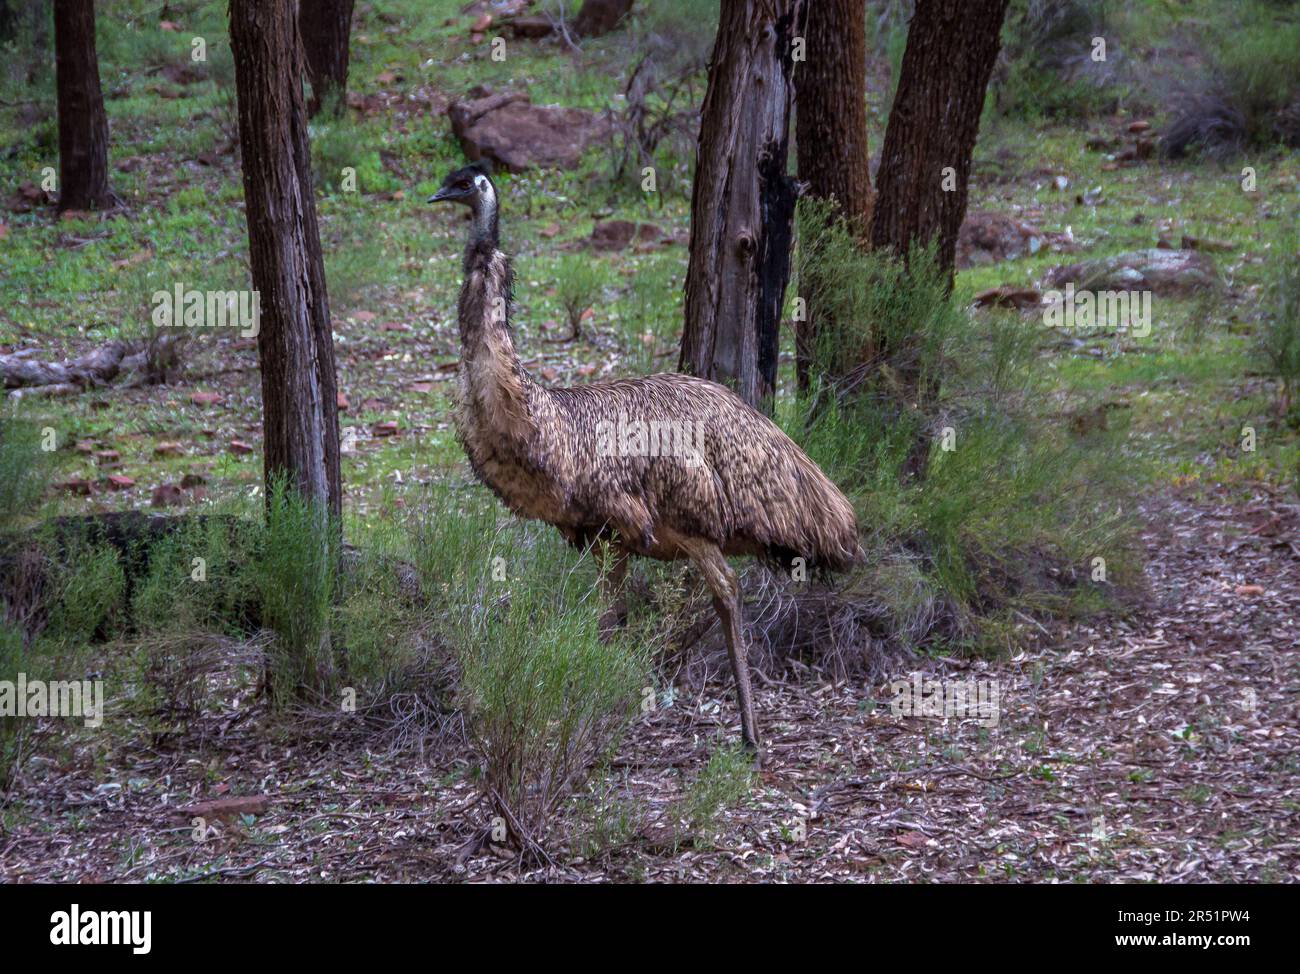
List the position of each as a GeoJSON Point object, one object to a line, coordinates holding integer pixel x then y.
{"type": "Point", "coordinates": [294, 342]}
{"type": "Point", "coordinates": [742, 208]}
{"type": "Point", "coordinates": [83, 126]}
{"type": "Point", "coordinates": [326, 27]}
{"type": "Point", "coordinates": [831, 133]}
{"type": "Point", "coordinates": [926, 158]}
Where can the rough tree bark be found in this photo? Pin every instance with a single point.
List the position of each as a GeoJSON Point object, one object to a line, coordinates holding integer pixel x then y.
{"type": "Point", "coordinates": [951, 49]}
{"type": "Point", "coordinates": [599, 17]}
{"type": "Point", "coordinates": [742, 207]}
{"type": "Point", "coordinates": [925, 163]}
{"type": "Point", "coordinates": [83, 126]}
{"type": "Point", "coordinates": [831, 133]}
{"type": "Point", "coordinates": [326, 27]}
{"type": "Point", "coordinates": [294, 342]}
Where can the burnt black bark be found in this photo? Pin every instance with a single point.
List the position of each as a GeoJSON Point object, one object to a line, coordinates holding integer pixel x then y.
{"type": "Point", "coordinates": [742, 205]}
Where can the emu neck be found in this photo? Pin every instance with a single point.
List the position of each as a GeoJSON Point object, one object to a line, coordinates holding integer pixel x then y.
{"type": "Point", "coordinates": [484, 230]}
{"type": "Point", "coordinates": [495, 386]}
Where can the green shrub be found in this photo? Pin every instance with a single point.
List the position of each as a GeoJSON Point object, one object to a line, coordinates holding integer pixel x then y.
{"type": "Point", "coordinates": [85, 593]}
{"type": "Point", "coordinates": [1008, 519]}
{"type": "Point", "coordinates": [1249, 95]}
{"type": "Point", "coordinates": [15, 732]}
{"type": "Point", "coordinates": [1045, 68]}
{"type": "Point", "coordinates": [544, 699]}
{"type": "Point", "coordinates": [24, 469]}
{"type": "Point", "coordinates": [725, 780]}
{"type": "Point", "coordinates": [452, 534]}
{"type": "Point", "coordinates": [198, 579]}
{"type": "Point", "coordinates": [893, 324]}
{"type": "Point", "coordinates": [376, 629]}
{"type": "Point", "coordinates": [81, 586]}
{"type": "Point", "coordinates": [578, 283]}
{"type": "Point", "coordinates": [1279, 340]}
{"type": "Point", "coordinates": [1260, 69]}
{"type": "Point", "coordinates": [294, 576]}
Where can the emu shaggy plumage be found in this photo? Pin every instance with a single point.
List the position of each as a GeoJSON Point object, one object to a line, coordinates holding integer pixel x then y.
{"type": "Point", "coordinates": [725, 480]}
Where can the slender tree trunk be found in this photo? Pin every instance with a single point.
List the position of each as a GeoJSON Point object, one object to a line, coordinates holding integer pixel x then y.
{"type": "Point", "coordinates": [83, 126]}
{"type": "Point", "coordinates": [294, 342]}
{"type": "Point", "coordinates": [926, 158]}
{"type": "Point", "coordinates": [742, 208]}
{"type": "Point", "coordinates": [9, 18]}
{"type": "Point", "coordinates": [925, 162]}
{"type": "Point", "coordinates": [599, 17]}
{"type": "Point", "coordinates": [326, 27]}
{"type": "Point", "coordinates": [831, 134]}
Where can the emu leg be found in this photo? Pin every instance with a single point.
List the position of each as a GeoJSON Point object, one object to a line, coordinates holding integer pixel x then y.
{"type": "Point", "coordinates": [726, 602]}
{"type": "Point", "coordinates": [612, 583]}
{"type": "Point", "coordinates": [738, 649]}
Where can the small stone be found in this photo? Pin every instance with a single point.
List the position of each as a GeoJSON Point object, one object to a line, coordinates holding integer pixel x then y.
{"type": "Point", "coordinates": [166, 495]}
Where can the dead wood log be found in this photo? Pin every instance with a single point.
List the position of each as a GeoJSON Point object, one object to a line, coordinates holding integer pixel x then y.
{"type": "Point", "coordinates": [153, 361]}
{"type": "Point", "coordinates": [98, 367]}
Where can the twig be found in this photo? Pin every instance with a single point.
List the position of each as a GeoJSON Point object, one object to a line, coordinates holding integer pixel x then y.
{"type": "Point", "coordinates": [232, 871]}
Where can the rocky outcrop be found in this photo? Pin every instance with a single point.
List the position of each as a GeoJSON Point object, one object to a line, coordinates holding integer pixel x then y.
{"type": "Point", "coordinates": [514, 134]}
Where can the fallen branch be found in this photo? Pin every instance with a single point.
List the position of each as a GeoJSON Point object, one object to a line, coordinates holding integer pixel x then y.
{"type": "Point", "coordinates": [98, 367]}
{"type": "Point", "coordinates": [150, 362]}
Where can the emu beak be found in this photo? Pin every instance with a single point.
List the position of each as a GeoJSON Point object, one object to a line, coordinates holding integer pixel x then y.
{"type": "Point", "coordinates": [438, 197]}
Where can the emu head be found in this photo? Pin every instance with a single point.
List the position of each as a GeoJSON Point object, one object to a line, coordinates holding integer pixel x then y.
{"type": "Point", "coordinates": [472, 186]}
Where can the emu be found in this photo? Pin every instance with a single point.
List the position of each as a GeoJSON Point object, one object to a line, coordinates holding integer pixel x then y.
{"type": "Point", "coordinates": [742, 486]}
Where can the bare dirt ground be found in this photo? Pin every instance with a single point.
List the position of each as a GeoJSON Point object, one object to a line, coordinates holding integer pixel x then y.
{"type": "Point", "coordinates": [1162, 747]}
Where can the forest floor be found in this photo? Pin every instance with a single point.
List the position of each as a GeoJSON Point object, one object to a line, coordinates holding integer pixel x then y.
{"type": "Point", "coordinates": [1162, 747]}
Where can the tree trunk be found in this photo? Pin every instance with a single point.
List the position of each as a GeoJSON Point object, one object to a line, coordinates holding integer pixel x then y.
{"type": "Point", "coordinates": [831, 133]}
{"type": "Point", "coordinates": [742, 208]}
{"type": "Point", "coordinates": [294, 343]}
{"type": "Point", "coordinates": [598, 17]}
{"type": "Point", "coordinates": [9, 19]}
{"type": "Point", "coordinates": [325, 27]}
{"type": "Point", "coordinates": [83, 126]}
{"type": "Point", "coordinates": [926, 159]}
